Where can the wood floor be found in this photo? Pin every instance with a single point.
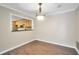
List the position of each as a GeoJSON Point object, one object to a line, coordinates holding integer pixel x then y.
{"type": "Point", "coordinates": [42, 48]}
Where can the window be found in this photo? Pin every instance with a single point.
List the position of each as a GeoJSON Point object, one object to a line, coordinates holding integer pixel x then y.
{"type": "Point", "coordinates": [21, 24]}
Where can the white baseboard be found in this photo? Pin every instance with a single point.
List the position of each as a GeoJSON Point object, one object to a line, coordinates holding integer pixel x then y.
{"type": "Point", "coordinates": [77, 50]}
{"type": "Point", "coordinates": [60, 44]}
{"type": "Point", "coordinates": [15, 47]}
{"type": "Point", "coordinates": [38, 40]}
{"type": "Point", "coordinates": [56, 43]}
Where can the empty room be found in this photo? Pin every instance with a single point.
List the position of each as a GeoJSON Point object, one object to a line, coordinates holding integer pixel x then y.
{"type": "Point", "coordinates": [39, 29]}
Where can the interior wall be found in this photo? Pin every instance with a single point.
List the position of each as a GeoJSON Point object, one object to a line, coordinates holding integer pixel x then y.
{"type": "Point", "coordinates": [10, 39]}
{"type": "Point", "coordinates": [77, 24]}
{"type": "Point", "coordinates": [59, 28]}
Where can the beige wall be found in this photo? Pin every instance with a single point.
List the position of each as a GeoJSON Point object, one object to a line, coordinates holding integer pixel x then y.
{"type": "Point", "coordinates": [77, 24]}
{"type": "Point", "coordinates": [55, 28]}
{"type": "Point", "coordinates": [10, 39]}
{"type": "Point", "coordinates": [58, 29]}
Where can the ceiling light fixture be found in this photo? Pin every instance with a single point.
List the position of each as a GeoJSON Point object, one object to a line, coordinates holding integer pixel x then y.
{"type": "Point", "coordinates": [39, 15]}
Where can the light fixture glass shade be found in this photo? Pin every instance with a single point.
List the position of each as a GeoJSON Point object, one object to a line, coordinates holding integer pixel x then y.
{"type": "Point", "coordinates": [40, 17]}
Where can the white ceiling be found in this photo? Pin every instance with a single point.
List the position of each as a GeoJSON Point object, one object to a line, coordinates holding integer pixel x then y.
{"type": "Point", "coordinates": [47, 8]}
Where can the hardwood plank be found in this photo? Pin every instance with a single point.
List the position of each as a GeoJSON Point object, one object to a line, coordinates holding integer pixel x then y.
{"type": "Point", "coordinates": [42, 48]}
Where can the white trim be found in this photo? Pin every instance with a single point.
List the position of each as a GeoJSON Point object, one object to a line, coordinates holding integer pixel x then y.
{"type": "Point", "coordinates": [38, 40]}
{"type": "Point", "coordinates": [52, 13]}
{"type": "Point", "coordinates": [60, 44]}
{"type": "Point", "coordinates": [12, 8]}
{"type": "Point", "coordinates": [56, 43]}
{"type": "Point", "coordinates": [15, 47]}
{"type": "Point", "coordinates": [26, 14]}
{"type": "Point", "coordinates": [11, 14]}
{"type": "Point", "coordinates": [77, 50]}
{"type": "Point", "coordinates": [10, 19]}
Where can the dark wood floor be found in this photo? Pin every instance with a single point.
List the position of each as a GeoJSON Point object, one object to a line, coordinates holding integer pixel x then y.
{"type": "Point", "coordinates": [42, 48]}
